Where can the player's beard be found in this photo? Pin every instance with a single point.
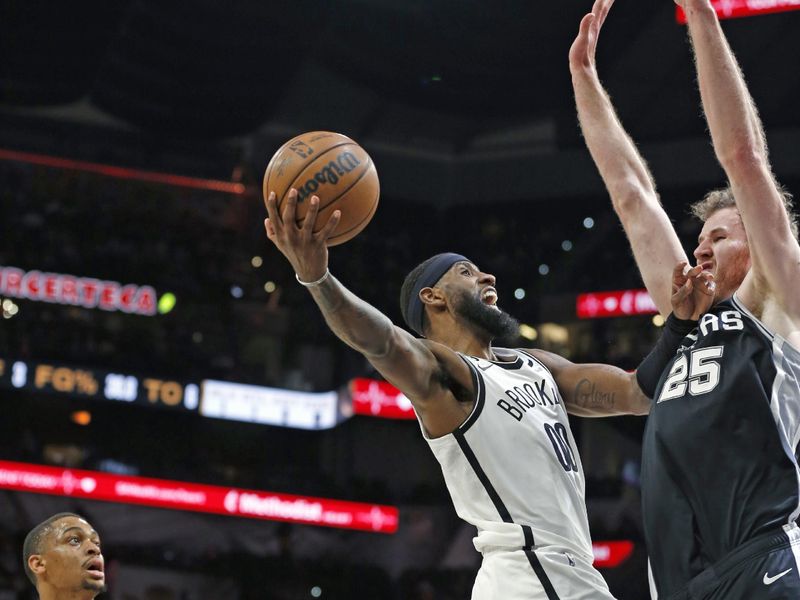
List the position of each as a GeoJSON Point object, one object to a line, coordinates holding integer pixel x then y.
{"type": "Point", "coordinates": [495, 323]}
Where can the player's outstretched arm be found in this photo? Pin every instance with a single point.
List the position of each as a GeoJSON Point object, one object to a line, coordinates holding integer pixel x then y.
{"type": "Point", "coordinates": [428, 373]}
{"type": "Point", "coordinates": [597, 390]}
{"type": "Point", "coordinates": [655, 244]}
{"type": "Point", "coordinates": [740, 146]}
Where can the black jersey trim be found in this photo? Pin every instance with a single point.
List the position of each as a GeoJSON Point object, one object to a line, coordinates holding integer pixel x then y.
{"type": "Point", "coordinates": [545, 367]}
{"type": "Point", "coordinates": [487, 485]}
{"type": "Point", "coordinates": [530, 354]}
{"type": "Point", "coordinates": [528, 533]}
{"type": "Point", "coordinates": [509, 366]}
{"type": "Point", "coordinates": [540, 573]}
{"type": "Point", "coordinates": [480, 396]}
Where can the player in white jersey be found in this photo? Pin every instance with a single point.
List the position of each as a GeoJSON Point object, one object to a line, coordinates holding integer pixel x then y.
{"type": "Point", "coordinates": [496, 419]}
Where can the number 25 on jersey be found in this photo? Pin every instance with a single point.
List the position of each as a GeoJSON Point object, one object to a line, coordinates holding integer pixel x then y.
{"type": "Point", "coordinates": [698, 373]}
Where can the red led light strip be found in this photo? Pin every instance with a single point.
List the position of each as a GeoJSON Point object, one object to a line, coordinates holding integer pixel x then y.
{"type": "Point", "coordinates": [608, 555]}
{"type": "Point", "coordinates": [179, 495]}
{"type": "Point", "coordinates": [620, 303]}
{"type": "Point", "coordinates": [212, 185]}
{"type": "Point", "coordinates": [732, 9]}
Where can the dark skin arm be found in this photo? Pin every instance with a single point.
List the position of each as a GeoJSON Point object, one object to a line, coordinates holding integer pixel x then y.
{"type": "Point", "coordinates": [434, 377]}
{"type": "Point", "coordinates": [596, 390]}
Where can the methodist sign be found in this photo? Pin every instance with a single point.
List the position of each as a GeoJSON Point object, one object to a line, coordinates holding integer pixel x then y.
{"type": "Point", "coordinates": [78, 291]}
{"type": "Point", "coordinates": [195, 497]}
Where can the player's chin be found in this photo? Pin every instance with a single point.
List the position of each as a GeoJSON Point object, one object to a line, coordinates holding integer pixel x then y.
{"type": "Point", "coordinates": [95, 585]}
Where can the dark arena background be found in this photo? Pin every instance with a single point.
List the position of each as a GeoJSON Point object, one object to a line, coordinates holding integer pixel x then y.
{"type": "Point", "coordinates": [161, 371]}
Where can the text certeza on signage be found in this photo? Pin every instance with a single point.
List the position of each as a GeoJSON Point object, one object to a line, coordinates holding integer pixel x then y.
{"type": "Point", "coordinates": [85, 292]}
{"type": "Point", "coordinates": [83, 382]}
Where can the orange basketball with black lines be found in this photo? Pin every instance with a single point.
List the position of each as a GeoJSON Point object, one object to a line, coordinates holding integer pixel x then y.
{"type": "Point", "coordinates": [332, 167]}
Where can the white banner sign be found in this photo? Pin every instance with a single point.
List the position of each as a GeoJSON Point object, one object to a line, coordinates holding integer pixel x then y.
{"type": "Point", "coordinates": [269, 406]}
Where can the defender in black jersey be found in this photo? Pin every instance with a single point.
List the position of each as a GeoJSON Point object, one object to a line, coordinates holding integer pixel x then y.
{"type": "Point", "coordinates": [720, 476]}
{"type": "Point", "coordinates": [719, 470]}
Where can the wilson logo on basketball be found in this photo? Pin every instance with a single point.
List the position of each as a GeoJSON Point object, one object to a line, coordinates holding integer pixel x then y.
{"type": "Point", "coordinates": [329, 174]}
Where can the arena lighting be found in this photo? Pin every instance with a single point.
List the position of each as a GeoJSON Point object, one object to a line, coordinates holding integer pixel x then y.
{"type": "Point", "coordinates": [212, 185]}
{"type": "Point", "coordinates": [732, 9]}
{"type": "Point", "coordinates": [194, 497]}
{"type": "Point", "coordinates": [375, 398]}
{"type": "Point", "coordinates": [622, 303]}
{"type": "Point", "coordinates": [81, 417]}
{"type": "Point", "coordinates": [608, 555]}
{"type": "Point", "coordinates": [85, 292]}
{"type": "Point", "coordinates": [166, 303]}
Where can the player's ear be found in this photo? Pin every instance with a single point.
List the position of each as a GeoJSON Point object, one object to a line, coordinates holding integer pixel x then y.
{"type": "Point", "coordinates": [36, 563]}
{"type": "Point", "coordinates": [432, 296]}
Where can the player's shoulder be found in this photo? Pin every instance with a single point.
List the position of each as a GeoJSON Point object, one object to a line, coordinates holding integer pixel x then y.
{"type": "Point", "coordinates": [550, 360]}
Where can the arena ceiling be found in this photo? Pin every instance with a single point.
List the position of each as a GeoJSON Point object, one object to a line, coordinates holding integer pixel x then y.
{"type": "Point", "coordinates": [447, 90]}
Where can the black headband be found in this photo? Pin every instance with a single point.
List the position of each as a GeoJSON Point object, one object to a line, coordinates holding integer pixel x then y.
{"type": "Point", "coordinates": [432, 273]}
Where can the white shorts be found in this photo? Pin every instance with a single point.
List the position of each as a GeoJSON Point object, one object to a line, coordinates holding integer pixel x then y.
{"type": "Point", "coordinates": [537, 575]}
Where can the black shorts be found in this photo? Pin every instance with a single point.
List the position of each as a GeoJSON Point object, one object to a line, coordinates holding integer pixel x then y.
{"type": "Point", "coordinates": [766, 568]}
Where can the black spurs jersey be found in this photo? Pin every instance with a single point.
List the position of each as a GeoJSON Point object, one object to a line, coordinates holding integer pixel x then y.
{"type": "Point", "coordinates": [719, 459]}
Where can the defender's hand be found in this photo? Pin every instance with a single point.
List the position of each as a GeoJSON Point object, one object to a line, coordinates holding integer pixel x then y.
{"type": "Point", "coordinates": [582, 52]}
{"type": "Point", "coordinates": [305, 250]}
{"type": "Point", "coordinates": [692, 291]}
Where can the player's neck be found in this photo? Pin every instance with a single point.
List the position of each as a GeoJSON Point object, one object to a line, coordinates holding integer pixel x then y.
{"type": "Point", "coordinates": [465, 342]}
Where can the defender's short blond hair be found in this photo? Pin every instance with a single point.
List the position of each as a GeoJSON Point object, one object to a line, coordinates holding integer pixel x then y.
{"type": "Point", "coordinates": [723, 198]}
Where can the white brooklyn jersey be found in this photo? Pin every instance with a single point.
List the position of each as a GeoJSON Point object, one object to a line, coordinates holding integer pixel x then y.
{"type": "Point", "coordinates": [512, 468]}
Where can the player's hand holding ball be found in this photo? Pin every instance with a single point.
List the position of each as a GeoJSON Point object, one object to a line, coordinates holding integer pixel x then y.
{"type": "Point", "coordinates": [305, 248]}
{"type": "Point", "coordinates": [321, 189]}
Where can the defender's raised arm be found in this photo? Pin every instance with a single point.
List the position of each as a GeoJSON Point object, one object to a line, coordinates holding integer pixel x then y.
{"type": "Point", "coordinates": [633, 193]}
{"type": "Point", "coordinates": [740, 145]}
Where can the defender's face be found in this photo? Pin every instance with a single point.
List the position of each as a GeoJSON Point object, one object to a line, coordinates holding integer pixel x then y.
{"type": "Point", "coordinates": [73, 560]}
{"type": "Point", "coordinates": [722, 250]}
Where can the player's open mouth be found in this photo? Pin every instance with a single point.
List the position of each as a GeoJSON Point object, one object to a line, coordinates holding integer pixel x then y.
{"type": "Point", "coordinates": [489, 296]}
{"type": "Point", "coordinates": [95, 568]}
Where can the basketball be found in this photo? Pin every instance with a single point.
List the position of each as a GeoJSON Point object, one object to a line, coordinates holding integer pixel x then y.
{"type": "Point", "coordinates": [332, 167]}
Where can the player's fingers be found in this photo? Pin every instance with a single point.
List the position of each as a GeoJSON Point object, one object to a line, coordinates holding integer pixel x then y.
{"type": "Point", "coordinates": [269, 228]}
{"type": "Point", "coordinates": [679, 274]}
{"type": "Point", "coordinates": [603, 6]}
{"type": "Point", "coordinates": [290, 207]}
{"type": "Point", "coordinates": [586, 27]}
{"type": "Point", "coordinates": [685, 290]}
{"type": "Point", "coordinates": [579, 52]}
{"type": "Point", "coordinates": [272, 209]}
{"type": "Point", "coordinates": [694, 271]}
{"type": "Point", "coordinates": [706, 283]}
{"type": "Point", "coordinates": [330, 226]}
{"type": "Point", "coordinates": [311, 216]}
